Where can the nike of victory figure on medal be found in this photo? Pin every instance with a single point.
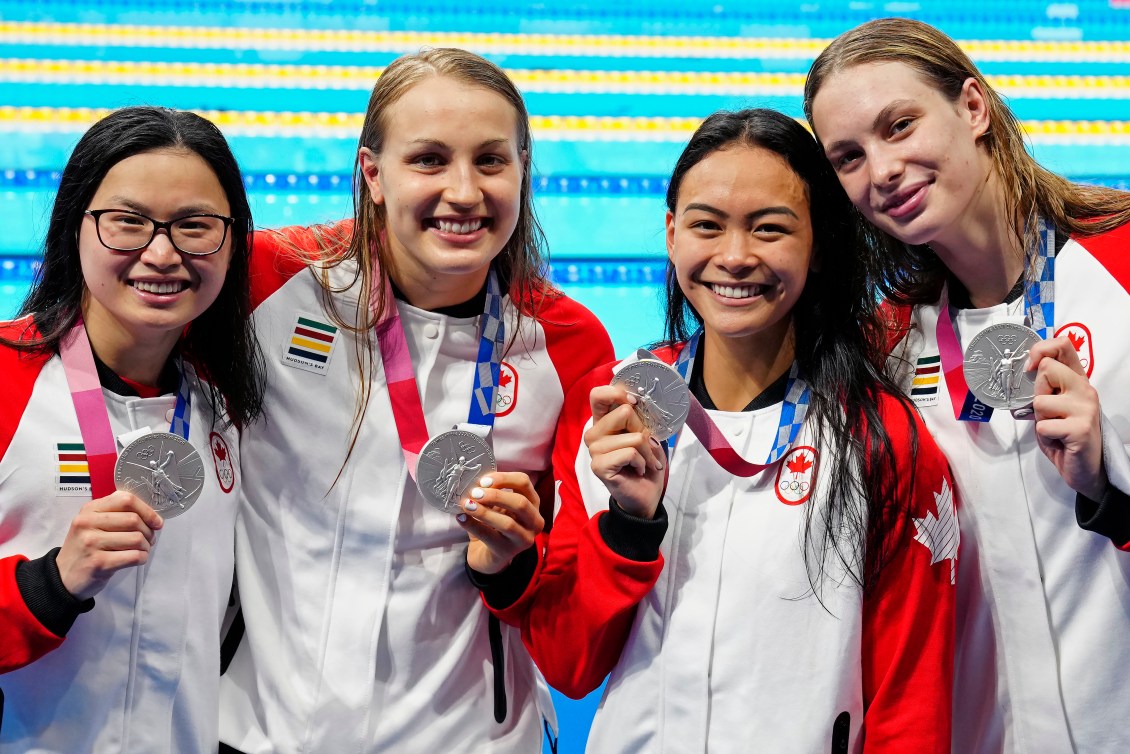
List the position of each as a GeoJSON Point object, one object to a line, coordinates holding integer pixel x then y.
{"type": "Point", "coordinates": [995, 366]}
{"type": "Point", "coordinates": [662, 396]}
{"type": "Point", "coordinates": [162, 469]}
{"type": "Point", "coordinates": [450, 465]}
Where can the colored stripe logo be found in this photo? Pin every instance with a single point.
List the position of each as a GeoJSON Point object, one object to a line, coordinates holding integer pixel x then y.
{"type": "Point", "coordinates": [310, 344]}
{"type": "Point", "coordinates": [72, 469]}
{"type": "Point", "coordinates": [926, 376]}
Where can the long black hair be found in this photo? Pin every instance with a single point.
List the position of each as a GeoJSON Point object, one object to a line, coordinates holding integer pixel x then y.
{"type": "Point", "coordinates": [836, 323]}
{"type": "Point", "coordinates": [220, 342]}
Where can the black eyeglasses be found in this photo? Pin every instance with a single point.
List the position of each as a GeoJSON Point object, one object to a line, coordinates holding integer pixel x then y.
{"type": "Point", "coordinates": [126, 230]}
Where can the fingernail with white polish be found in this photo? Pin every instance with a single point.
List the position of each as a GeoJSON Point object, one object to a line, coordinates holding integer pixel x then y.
{"type": "Point", "coordinates": [477, 493]}
{"type": "Point", "coordinates": [486, 481]}
{"type": "Point", "coordinates": [461, 518]}
{"type": "Point", "coordinates": [470, 505]}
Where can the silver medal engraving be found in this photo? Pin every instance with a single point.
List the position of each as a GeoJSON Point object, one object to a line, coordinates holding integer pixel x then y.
{"type": "Point", "coordinates": [994, 366]}
{"type": "Point", "coordinates": [450, 465]}
{"type": "Point", "coordinates": [162, 469]}
{"type": "Point", "coordinates": [663, 398]}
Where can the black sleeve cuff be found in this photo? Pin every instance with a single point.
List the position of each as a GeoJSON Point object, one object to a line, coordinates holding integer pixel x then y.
{"type": "Point", "coordinates": [1109, 516]}
{"type": "Point", "coordinates": [502, 589]}
{"type": "Point", "coordinates": [42, 588]}
{"type": "Point", "coordinates": [632, 537]}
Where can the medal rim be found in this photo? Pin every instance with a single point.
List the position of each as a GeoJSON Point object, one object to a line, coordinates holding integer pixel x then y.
{"type": "Point", "coordinates": [174, 510]}
{"type": "Point", "coordinates": [684, 411]}
{"type": "Point", "coordinates": [991, 401]}
{"type": "Point", "coordinates": [428, 496]}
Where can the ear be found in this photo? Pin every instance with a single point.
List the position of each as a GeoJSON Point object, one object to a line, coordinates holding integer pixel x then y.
{"type": "Point", "coordinates": [670, 233]}
{"type": "Point", "coordinates": [370, 169]}
{"type": "Point", "coordinates": [973, 105]}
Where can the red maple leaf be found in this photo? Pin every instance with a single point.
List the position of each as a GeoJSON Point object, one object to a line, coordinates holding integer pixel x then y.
{"type": "Point", "coordinates": [219, 450]}
{"type": "Point", "coordinates": [504, 380]}
{"type": "Point", "coordinates": [1076, 340]}
{"type": "Point", "coordinates": [800, 465]}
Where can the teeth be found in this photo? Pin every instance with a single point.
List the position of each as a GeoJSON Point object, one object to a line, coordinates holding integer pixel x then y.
{"type": "Point", "coordinates": [735, 291]}
{"type": "Point", "coordinates": [463, 228]}
{"type": "Point", "coordinates": [171, 287]}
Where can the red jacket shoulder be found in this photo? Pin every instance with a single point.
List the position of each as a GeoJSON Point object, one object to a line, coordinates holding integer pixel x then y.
{"type": "Point", "coordinates": [1112, 250]}
{"type": "Point", "coordinates": [20, 369]}
{"type": "Point", "coordinates": [279, 255]}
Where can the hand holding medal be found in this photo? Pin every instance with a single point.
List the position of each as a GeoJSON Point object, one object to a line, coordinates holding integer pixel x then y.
{"type": "Point", "coordinates": [1068, 417]}
{"type": "Point", "coordinates": [626, 456]}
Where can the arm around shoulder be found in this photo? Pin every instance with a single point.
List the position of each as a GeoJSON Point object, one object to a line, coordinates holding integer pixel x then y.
{"type": "Point", "coordinates": [908, 614]}
{"type": "Point", "coordinates": [579, 613]}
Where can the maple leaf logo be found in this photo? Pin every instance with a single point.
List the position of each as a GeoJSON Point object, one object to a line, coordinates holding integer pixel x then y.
{"type": "Point", "coordinates": [504, 380]}
{"type": "Point", "coordinates": [799, 465]}
{"type": "Point", "coordinates": [221, 453]}
{"type": "Point", "coordinates": [1077, 341]}
{"type": "Point", "coordinates": [940, 534]}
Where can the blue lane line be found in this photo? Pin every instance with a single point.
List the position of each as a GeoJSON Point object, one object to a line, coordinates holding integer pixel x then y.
{"type": "Point", "coordinates": [616, 104]}
{"type": "Point", "coordinates": [962, 20]}
{"type": "Point", "coordinates": [551, 185]}
{"type": "Point", "coordinates": [21, 268]}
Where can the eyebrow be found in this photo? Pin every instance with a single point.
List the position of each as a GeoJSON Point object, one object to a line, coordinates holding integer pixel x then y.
{"type": "Point", "coordinates": [441, 145]}
{"type": "Point", "coordinates": [755, 215]}
{"type": "Point", "coordinates": [189, 209]}
{"type": "Point", "coordinates": [880, 117]}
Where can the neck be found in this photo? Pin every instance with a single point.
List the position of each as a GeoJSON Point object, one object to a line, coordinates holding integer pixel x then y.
{"type": "Point", "coordinates": [431, 292]}
{"type": "Point", "coordinates": [983, 252]}
{"type": "Point", "coordinates": [138, 360]}
{"type": "Point", "coordinates": [737, 370]}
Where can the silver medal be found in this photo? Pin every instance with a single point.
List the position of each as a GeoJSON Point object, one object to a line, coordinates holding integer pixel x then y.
{"type": "Point", "coordinates": [994, 366]}
{"type": "Point", "coordinates": [663, 398]}
{"type": "Point", "coordinates": [450, 465]}
{"type": "Point", "coordinates": [162, 469]}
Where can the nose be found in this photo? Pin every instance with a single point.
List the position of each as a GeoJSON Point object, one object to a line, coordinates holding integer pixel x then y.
{"type": "Point", "coordinates": [886, 167]}
{"type": "Point", "coordinates": [737, 254]}
{"type": "Point", "coordinates": [463, 185]}
{"type": "Point", "coordinates": [160, 252]}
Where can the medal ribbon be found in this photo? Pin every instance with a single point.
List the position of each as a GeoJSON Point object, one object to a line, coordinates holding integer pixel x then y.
{"type": "Point", "coordinates": [400, 377]}
{"type": "Point", "coordinates": [90, 406]}
{"type": "Point", "coordinates": [797, 397]}
{"type": "Point", "coordinates": [1039, 311]}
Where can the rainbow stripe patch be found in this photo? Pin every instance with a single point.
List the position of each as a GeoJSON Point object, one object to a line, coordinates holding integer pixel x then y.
{"type": "Point", "coordinates": [72, 470]}
{"type": "Point", "coordinates": [311, 344]}
{"type": "Point", "coordinates": [927, 375]}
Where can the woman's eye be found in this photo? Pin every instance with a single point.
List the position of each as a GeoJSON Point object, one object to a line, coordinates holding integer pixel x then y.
{"type": "Point", "coordinates": [900, 125]}
{"type": "Point", "coordinates": [705, 225]}
{"type": "Point", "coordinates": [428, 160]}
{"type": "Point", "coordinates": [771, 229]}
{"type": "Point", "coordinates": [847, 158]}
{"type": "Point", "coordinates": [492, 161]}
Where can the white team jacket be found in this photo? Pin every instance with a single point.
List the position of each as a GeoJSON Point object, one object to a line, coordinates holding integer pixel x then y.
{"type": "Point", "coordinates": [1043, 606]}
{"type": "Point", "coordinates": [140, 672]}
{"type": "Point", "coordinates": [364, 633]}
{"type": "Point", "coordinates": [729, 651]}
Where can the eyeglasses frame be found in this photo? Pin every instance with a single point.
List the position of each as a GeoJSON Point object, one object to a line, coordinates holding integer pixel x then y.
{"type": "Point", "coordinates": [167, 225]}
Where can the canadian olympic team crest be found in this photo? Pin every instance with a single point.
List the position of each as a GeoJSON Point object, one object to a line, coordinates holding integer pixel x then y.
{"type": "Point", "coordinates": [1080, 338]}
{"type": "Point", "coordinates": [221, 457]}
{"type": "Point", "coordinates": [506, 397]}
{"type": "Point", "coordinates": [796, 475]}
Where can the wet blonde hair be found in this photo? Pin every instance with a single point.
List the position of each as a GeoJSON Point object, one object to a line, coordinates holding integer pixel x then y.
{"type": "Point", "coordinates": [521, 265]}
{"type": "Point", "coordinates": [914, 274]}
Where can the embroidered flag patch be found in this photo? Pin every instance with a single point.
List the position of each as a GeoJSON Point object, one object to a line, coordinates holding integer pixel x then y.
{"type": "Point", "coordinates": [1080, 337]}
{"type": "Point", "coordinates": [927, 373]}
{"type": "Point", "coordinates": [940, 534]}
{"type": "Point", "coordinates": [72, 471]}
{"type": "Point", "coordinates": [311, 344]}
